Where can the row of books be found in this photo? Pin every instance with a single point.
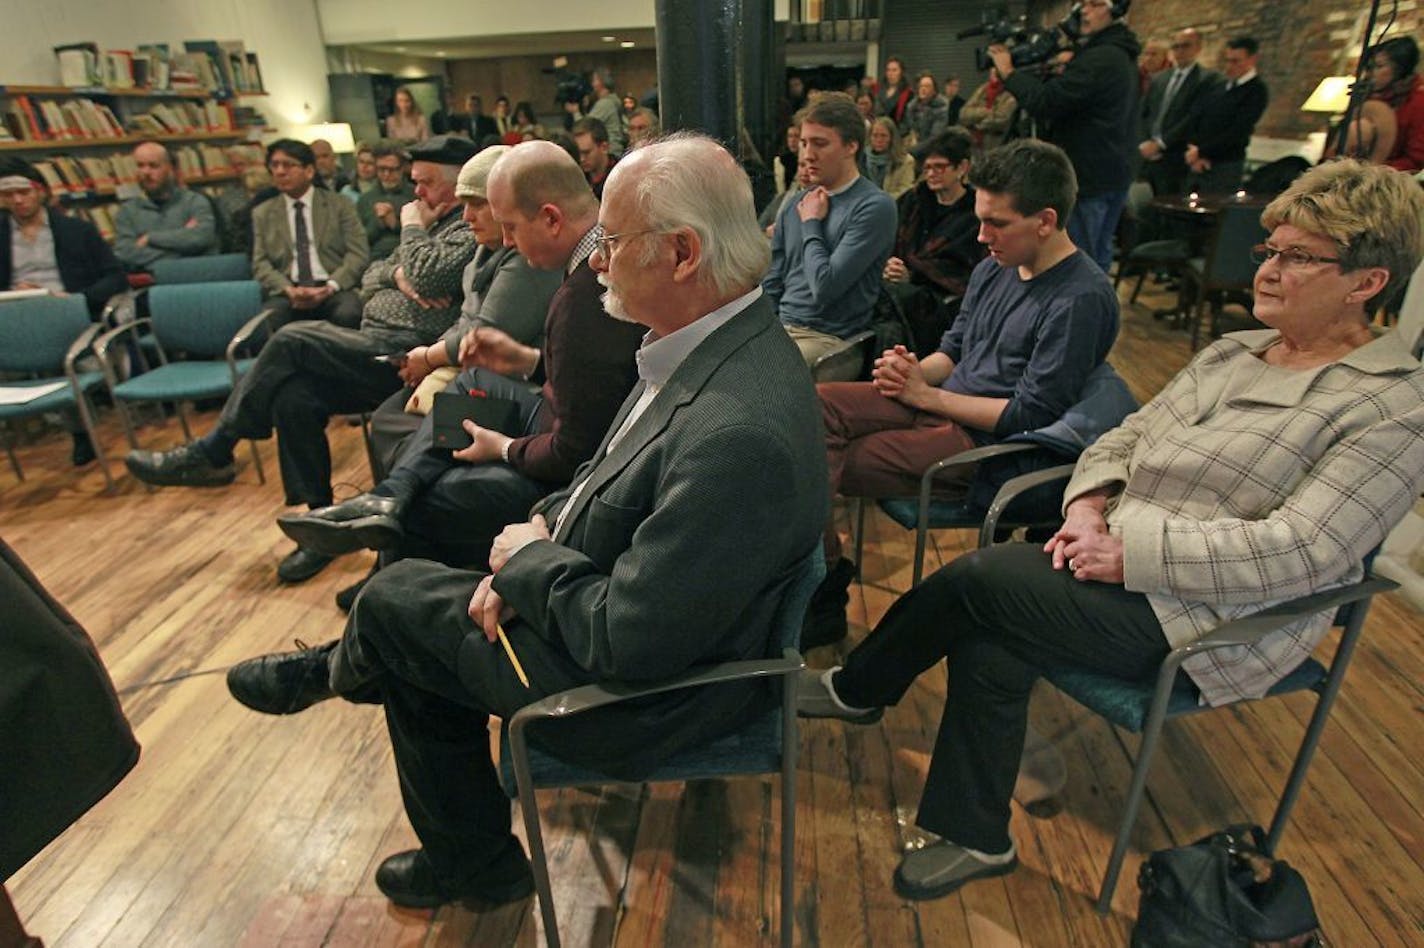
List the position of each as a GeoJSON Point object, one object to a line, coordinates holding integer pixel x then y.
{"type": "Point", "coordinates": [118, 174]}
{"type": "Point", "coordinates": [223, 68]}
{"type": "Point", "coordinates": [183, 117]}
{"type": "Point", "coordinates": [33, 118]}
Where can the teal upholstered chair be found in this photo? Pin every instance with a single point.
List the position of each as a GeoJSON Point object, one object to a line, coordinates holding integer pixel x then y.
{"type": "Point", "coordinates": [212, 268]}
{"type": "Point", "coordinates": [766, 745]}
{"type": "Point", "coordinates": [1105, 402]}
{"type": "Point", "coordinates": [1143, 707]}
{"type": "Point", "coordinates": [210, 324]}
{"type": "Point", "coordinates": [44, 338]}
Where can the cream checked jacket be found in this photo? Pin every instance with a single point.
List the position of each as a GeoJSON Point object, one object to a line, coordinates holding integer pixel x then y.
{"type": "Point", "coordinates": [1244, 485]}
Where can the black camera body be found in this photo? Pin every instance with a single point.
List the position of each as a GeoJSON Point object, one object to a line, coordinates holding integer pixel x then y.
{"type": "Point", "coordinates": [1027, 45]}
{"type": "Point", "coordinates": [571, 87]}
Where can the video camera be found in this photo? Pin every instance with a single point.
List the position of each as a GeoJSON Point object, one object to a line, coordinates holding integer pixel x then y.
{"type": "Point", "coordinates": [1027, 45]}
{"type": "Point", "coordinates": [570, 87]}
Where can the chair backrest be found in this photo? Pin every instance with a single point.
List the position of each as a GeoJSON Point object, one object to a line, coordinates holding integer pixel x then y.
{"type": "Point", "coordinates": [1274, 177]}
{"type": "Point", "coordinates": [791, 611]}
{"type": "Point", "coordinates": [1228, 259]}
{"type": "Point", "coordinates": [215, 268]}
{"type": "Point", "coordinates": [36, 333]}
{"type": "Point", "coordinates": [201, 318]}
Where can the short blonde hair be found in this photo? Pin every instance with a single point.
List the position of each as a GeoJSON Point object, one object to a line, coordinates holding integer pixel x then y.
{"type": "Point", "coordinates": [1374, 214]}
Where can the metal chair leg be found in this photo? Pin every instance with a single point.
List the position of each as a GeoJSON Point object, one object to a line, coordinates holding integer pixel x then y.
{"type": "Point", "coordinates": [1151, 733]}
{"type": "Point", "coordinates": [86, 418]}
{"type": "Point", "coordinates": [10, 450]}
{"type": "Point", "coordinates": [183, 421]}
{"type": "Point", "coordinates": [860, 505]}
{"type": "Point", "coordinates": [529, 811]}
{"type": "Point", "coordinates": [790, 742]}
{"type": "Point", "coordinates": [257, 462]}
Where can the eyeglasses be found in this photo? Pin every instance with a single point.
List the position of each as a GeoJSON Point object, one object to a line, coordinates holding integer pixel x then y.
{"type": "Point", "coordinates": [605, 243]}
{"type": "Point", "coordinates": [389, 169]}
{"type": "Point", "coordinates": [280, 164]}
{"type": "Point", "coordinates": [936, 167]}
{"type": "Point", "coordinates": [1290, 256]}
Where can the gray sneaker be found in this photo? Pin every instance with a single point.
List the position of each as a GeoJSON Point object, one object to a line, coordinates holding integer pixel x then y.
{"type": "Point", "coordinates": [814, 700]}
{"type": "Point", "coordinates": [942, 867]}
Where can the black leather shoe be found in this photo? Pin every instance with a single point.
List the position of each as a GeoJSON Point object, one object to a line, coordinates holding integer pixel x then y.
{"type": "Point", "coordinates": [301, 565]}
{"type": "Point", "coordinates": [284, 683]}
{"type": "Point", "coordinates": [83, 451]}
{"type": "Point", "coordinates": [184, 466]}
{"type": "Point", "coordinates": [365, 522]}
{"type": "Point", "coordinates": [408, 880]}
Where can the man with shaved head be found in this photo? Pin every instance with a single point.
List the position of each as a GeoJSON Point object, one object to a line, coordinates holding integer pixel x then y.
{"type": "Point", "coordinates": [167, 220]}
{"type": "Point", "coordinates": [451, 505]}
{"type": "Point", "coordinates": [670, 550]}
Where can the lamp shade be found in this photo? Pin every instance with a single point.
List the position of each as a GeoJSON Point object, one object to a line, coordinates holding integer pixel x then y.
{"type": "Point", "coordinates": [338, 133]}
{"type": "Point", "coordinates": [1332, 95]}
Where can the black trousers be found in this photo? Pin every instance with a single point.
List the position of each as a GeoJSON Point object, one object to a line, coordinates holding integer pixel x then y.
{"type": "Point", "coordinates": [391, 426]}
{"type": "Point", "coordinates": [307, 372]}
{"type": "Point", "coordinates": [453, 510]}
{"type": "Point", "coordinates": [410, 636]}
{"type": "Point", "coordinates": [999, 616]}
{"type": "Point", "coordinates": [342, 308]}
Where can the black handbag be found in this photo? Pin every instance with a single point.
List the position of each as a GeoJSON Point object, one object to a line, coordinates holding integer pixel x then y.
{"type": "Point", "coordinates": [1223, 890]}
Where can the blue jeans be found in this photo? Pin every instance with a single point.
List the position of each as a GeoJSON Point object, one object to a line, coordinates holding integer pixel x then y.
{"type": "Point", "coordinates": [1093, 223]}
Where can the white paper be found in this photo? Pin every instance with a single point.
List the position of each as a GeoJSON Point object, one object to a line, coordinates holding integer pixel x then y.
{"type": "Point", "coordinates": [20, 395]}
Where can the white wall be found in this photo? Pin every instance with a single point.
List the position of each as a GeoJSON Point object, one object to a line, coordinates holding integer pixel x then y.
{"type": "Point", "coordinates": [285, 34]}
{"type": "Point", "coordinates": [371, 21]}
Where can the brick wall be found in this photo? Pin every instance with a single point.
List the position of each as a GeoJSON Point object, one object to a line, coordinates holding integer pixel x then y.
{"type": "Point", "coordinates": [1302, 41]}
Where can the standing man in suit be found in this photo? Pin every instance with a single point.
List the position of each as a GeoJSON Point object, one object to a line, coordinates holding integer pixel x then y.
{"type": "Point", "coordinates": [1170, 114]}
{"type": "Point", "coordinates": [1227, 117]}
{"type": "Point", "coordinates": [308, 247]}
{"type": "Point", "coordinates": [672, 550]}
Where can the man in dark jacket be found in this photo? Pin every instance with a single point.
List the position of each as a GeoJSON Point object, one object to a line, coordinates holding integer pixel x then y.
{"type": "Point", "coordinates": [1225, 121]}
{"type": "Point", "coordinates": [40, 248]}
{"type": "Point", "coordinates": [1093, 110]}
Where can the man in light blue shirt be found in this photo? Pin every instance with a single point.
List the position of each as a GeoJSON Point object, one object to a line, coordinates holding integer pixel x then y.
{"type": "Point", "coordinates": [829, 248]}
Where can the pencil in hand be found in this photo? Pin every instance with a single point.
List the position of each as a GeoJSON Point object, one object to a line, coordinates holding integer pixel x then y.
{"type": "Point", "coordinates": [513, 659]}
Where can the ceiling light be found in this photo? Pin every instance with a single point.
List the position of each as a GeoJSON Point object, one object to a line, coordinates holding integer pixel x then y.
{"type": "Point", "coordinates": [400, 49]}
{"type": "Point", "coordinates": [627, 44]}
{"type": "Point", "coordinates": [609, 39]}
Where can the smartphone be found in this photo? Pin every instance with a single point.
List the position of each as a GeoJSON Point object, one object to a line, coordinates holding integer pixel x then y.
{"type": "Point", "coordinates": [396, 359]}
{"type": "Point", "coordinates": [452, 408]}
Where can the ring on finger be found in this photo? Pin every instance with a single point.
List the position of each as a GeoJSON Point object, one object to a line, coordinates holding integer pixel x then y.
{"type": "Point", "coordinates": [1072, 564]}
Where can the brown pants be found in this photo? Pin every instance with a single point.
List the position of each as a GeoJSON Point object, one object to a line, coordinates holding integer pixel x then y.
{"type": "Point", "coordinates": [878, 447]}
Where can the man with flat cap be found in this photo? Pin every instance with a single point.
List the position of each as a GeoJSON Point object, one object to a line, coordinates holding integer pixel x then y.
{"type": "Point", "coordinates": [312, 369]}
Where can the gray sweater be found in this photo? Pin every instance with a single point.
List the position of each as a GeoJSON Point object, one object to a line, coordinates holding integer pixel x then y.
{"type": "Point", "coordinates": [502, 290]}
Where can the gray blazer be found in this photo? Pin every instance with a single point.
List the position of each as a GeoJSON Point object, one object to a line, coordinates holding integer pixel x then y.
{"type": "Point", "coordinates": [340, 241]}
{"type": "Point", "coordinates": [679, 547]}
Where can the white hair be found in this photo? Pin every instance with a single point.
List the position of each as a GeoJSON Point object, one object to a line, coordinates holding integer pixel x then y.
{"type": "Point", "coordinates": [689, 180]}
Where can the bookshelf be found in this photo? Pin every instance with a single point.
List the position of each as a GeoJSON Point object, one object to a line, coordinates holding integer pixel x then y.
{"type": "Point", "coordinates": [80, 139]}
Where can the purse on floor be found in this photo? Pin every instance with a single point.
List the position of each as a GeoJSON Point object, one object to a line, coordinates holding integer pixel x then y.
{"type": "Point", "coordinates": [1223, 890]}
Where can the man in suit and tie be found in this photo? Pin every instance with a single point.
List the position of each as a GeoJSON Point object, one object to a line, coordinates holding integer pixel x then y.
{"type": "Point", "coordinates": [671, 550]}
{"type": "Point", "coordinates": [1228, 115]}
{"type": "Point", "coordinates": [308, 247]}
{"type": "Point", "coordinates": [1169, 114]}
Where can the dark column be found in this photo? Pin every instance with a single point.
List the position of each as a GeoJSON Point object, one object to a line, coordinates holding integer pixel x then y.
{"type": "Point", "coordinates": [714, 58]}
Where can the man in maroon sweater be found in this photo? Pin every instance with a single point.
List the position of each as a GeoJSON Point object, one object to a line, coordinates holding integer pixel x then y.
{"type": "Point", "coordinates": [451, 506]}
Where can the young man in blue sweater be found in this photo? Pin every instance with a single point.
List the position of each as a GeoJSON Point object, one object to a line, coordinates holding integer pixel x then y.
{"type": "Point", "coordinates": [829, 248]}
{"type": "Point", "coordinates": [1038, 317]}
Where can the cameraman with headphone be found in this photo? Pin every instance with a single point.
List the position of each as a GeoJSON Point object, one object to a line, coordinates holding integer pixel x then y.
{"type": "Point", "coordinates": [1091, 113]}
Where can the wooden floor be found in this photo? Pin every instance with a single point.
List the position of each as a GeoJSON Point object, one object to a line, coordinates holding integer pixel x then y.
{"type": "Point", "coordinates": [241, 829]}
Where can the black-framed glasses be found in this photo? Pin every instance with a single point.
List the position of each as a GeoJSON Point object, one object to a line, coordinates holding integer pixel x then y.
{"type": "Point", "coordinates": [605, 243]}
{"type": "Point", "coordinates": [1290, 256]}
